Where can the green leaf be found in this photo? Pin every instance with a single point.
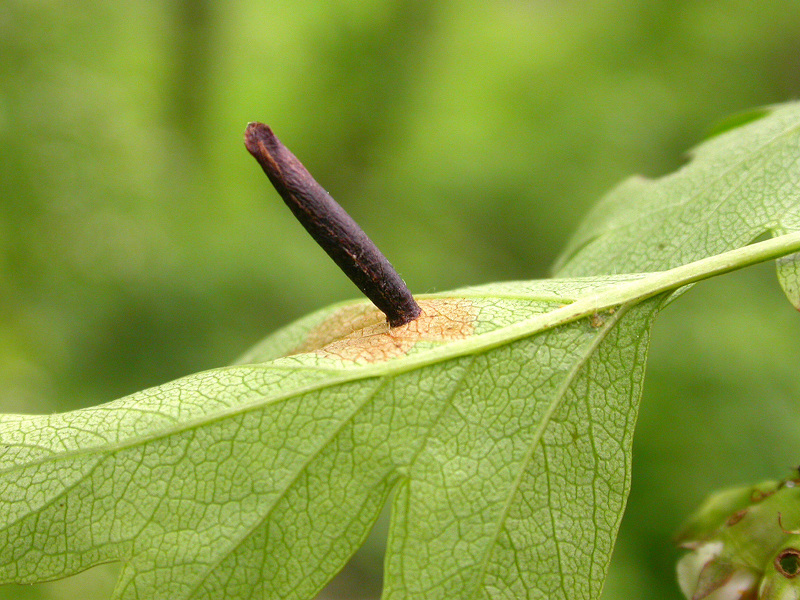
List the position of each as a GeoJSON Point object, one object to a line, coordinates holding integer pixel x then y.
{"type": "Point", "coordinates": [736, 120]}
{"type": "Point", "coordinates": [266, 477]}
{"type": "Point", "coordinates": [744, 543]}
{"type": "Point", "coordinates": [500, 423]}
{"type": "Point", "coordinates": [740, 185]}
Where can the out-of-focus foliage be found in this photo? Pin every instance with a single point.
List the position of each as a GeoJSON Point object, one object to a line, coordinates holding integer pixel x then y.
{"type": "Point", "coordinates": [139, 242]}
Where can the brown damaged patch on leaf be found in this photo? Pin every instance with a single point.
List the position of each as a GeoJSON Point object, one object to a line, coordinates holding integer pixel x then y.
{"type": "Point", "coordinates": [361, 333]}
{"type": "Point", "coordinates": [736, 517]}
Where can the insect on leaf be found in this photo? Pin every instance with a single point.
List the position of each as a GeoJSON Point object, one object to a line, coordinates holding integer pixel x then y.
{"type": "Point", "coordinates": [499, 423]}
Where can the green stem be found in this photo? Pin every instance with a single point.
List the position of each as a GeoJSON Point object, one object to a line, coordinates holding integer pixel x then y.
{"type": "Point", "coordinates": [651, 284]}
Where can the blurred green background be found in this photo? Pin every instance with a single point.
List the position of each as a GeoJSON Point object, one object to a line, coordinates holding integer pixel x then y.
{"type": "Point", "coordinates": [140, 242]}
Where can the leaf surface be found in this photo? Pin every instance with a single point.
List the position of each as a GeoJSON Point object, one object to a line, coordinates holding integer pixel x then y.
{"type": "Point", "coordinates": [266, 477]}
{"type": "Point", "coordinates": [500, 423]}
{"type": "Point", "coordinates": [741, 184]}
